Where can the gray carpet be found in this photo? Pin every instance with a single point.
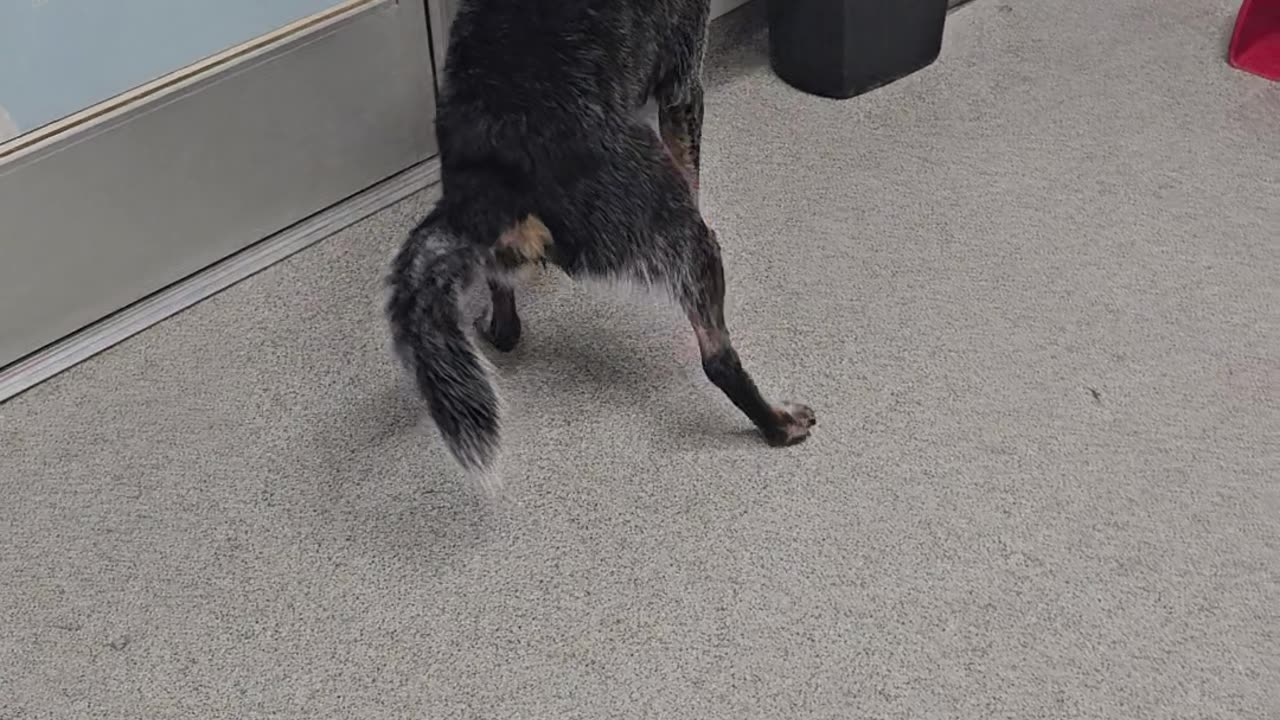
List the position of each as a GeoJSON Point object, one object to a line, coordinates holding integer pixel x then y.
{"type": "Point", "coordinates": [1032, 292]}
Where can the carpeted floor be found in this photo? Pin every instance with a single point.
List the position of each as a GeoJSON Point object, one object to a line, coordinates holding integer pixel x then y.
{"type": "Point", "coordinates": [1033, 293]}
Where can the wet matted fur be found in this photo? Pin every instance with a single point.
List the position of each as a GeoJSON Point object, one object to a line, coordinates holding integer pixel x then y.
{"type": "Point", "coordinates": [544, 159]}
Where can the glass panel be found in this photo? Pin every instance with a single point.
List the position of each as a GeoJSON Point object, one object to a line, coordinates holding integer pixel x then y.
{"type": "Point", "coordinates": [58, 57]}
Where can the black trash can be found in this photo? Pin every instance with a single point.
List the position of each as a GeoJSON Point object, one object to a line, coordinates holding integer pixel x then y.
{"type": "Point", "coordinates": [843, 48]}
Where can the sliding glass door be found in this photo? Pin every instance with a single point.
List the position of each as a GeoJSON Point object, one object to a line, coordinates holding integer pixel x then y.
{"type": "Point", "coordinates": [142, 140]}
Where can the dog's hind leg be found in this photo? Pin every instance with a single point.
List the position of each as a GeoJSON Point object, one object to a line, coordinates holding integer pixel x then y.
{"type": "Point", "coordinates": [680, 96]}
{"type": "Point", "coordinates": [502, 330]}
{"type": "Point", "coordinates": [701, 293]}
{"type": "Point", "coordinates": [680, 118]}
{"type": "Point", "coordinates": [525, 242]}
{"type": "Point", "coordinates": [636, 220]}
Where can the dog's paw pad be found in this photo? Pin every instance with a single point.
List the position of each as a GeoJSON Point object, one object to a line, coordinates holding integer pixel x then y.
{"type": "Point", "coordinates": [793, 423]}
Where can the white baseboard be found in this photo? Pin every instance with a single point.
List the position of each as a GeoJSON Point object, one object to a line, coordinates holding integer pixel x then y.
{"type": "Point", "coordinates": [132, 320]}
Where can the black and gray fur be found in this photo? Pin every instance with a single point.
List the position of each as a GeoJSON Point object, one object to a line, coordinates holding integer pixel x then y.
{"type": "Point", "coordinates": [544, 159]}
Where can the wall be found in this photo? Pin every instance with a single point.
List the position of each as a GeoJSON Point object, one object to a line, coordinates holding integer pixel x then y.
{"type": "Point", "coordinates": [8, 128]}
{"type": "Point", "coordinates": [59, 56]}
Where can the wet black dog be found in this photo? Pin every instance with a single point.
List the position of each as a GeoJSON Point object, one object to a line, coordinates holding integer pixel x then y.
{"type": "Point", "coordinates": [544, 159]}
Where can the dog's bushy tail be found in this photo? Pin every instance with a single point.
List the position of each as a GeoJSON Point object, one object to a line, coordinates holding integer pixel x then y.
{"type": "Point", "coordinates": [426, 279]}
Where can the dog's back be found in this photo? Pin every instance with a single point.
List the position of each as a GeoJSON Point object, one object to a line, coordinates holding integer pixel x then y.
{"type": "Point", "coordinates": [586, 59]}
{"type": "Point", "coordinates": [578, 61]}
{"type": "Point", "coordinates": [527, 82]}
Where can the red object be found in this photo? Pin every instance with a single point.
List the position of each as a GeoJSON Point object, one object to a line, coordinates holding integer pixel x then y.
{"type": "Point", "coordinates": [1255, 44]}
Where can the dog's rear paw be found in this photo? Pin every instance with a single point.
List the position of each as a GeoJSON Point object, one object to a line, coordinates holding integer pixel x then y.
{"type": "Point", "coordinates": [503, 337]}
{"type": "Point", "coordinates": [792, 424]}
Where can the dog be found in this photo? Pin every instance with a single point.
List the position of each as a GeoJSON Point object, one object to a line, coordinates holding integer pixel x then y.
{"type": "Point", "coordinates": [544, 160]}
